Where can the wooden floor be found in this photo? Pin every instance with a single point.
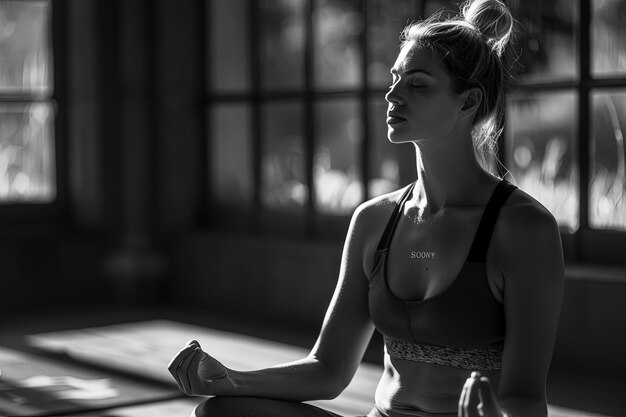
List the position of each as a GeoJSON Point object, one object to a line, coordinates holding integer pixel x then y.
{"type": "Point", "coordinates": [145, 347]}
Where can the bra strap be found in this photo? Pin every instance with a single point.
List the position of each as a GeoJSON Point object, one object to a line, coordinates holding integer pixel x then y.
{"type": "Point", "coordinates": [478, 251]}
{"type": "Point", "coordinates": [393, 220]}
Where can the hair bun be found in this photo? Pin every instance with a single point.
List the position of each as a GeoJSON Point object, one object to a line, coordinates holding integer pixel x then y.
{"type": "Point", "coordinates": [492, 19]}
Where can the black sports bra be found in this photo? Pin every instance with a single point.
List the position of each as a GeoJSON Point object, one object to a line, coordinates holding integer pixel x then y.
{"type": "Point", "coordinates": [464, 325]}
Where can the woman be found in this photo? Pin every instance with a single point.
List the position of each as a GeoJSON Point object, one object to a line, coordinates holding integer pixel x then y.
{"type": "Point", "coordinates": [460, 271]}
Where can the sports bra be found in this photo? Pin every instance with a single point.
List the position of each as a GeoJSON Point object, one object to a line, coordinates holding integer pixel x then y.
{"type": "Point", "coordinates": [464, 325]}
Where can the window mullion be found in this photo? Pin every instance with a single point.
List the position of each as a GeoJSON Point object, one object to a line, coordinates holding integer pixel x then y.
{"type": "Point", "coordinates": [364, 104]}
{"type": "Point", "coordinates": [309, 121]}
{"type": "Point", "coordinates": [584, 50]}
{"type": "Point", "coordinates": [57, 98]}
{"type": "Point", "coordinates": [254, 36]}
{"type": "Point", "coordinates": [204, 182]}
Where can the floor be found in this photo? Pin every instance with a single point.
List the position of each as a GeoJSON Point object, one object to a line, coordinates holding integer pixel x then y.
{"type": "Point", "coordinates": [569, 394]}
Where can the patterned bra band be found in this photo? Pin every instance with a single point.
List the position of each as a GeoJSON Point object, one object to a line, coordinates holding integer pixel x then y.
{"type": "Point", "coordinates": [480, 359]}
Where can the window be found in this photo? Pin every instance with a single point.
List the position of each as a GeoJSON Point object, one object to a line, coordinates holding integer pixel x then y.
{"type": "Point", "coordinates": [296, 111]}
{"type": "Point", "coordinates": [564, 135]}
{"type": "Point", "coordinates": [27, 148]}
{"type": "Point", "coordinates": [296, 126]}
{"type": "Point", "coordinates": [607, 101]}
{"type": "Point", "coordinates": [541, 138]}
{"type": "Point", "coordinates": [607, 199]}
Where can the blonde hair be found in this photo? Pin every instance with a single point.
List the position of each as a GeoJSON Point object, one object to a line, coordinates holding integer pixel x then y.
{"type": "Point", "coordinates": [473, 48]}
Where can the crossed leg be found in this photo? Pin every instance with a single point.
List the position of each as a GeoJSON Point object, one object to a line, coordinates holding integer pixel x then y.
{"type": "Point", "coordinates": [257, 407]}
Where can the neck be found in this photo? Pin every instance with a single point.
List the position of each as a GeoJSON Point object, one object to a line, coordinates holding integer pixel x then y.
{"type": "Point", "coordinates": [448, 174]}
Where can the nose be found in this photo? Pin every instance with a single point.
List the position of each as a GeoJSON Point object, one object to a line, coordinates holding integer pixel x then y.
{"type": "Point", "coordinates": [392, 95]}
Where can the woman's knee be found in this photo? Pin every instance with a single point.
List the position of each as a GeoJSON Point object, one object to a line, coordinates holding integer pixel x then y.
{"type": "Point", "coordinates": [220, 407]}
{"type": "Point", "coordinates": [210, 407]}
{"type": "Point", "coordinates": [252, 407]}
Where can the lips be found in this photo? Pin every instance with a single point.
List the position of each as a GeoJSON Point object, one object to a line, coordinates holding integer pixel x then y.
{"type": "Point", "coordinates": [393, 119]}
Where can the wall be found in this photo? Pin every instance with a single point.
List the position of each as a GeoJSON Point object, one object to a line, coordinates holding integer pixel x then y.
{"type": "Point", "coordinates": [277, 280]}
{"type": "Point", "coordinates": [129, 81]}
{"type": "Point", "coordinates": [591, 336]}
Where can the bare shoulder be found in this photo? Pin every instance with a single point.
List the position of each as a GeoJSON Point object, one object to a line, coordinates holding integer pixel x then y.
{"type": "Point", "coordinates": [526, 239]}
{"type": "Point", "coordinates": [376, 211]}
{"type": "Point", "coordinates": [369, 221]}
{"type": "Point", "coordinates": [523, 214]}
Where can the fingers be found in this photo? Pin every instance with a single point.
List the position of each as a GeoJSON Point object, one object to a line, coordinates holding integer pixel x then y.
{"type": "Point", "coordinates": [178, 360]}
{"type": "Point", "coordinates": [470, 397]}
{"type": "Point", "coordinates": [487, 397]}
{"type": "Point", "coordinates": [183, 371]}
{"type": "Point", "coordinates": [181, 354]}
{"type": "Point", "coordinates": [178, 363]}
{"type": "Point", "coordinates": [194, 381]}
{"type": "Point", "coordinates": [477, 398]}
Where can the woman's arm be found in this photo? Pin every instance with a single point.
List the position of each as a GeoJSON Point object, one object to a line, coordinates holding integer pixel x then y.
{"type": "Point", "coordinates": [330, 366]}
{"type": "Point", "coordinates": [529, 246]}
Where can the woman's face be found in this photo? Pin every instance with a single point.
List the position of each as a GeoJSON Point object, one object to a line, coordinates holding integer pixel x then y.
{"type": "Point", "coordinates": [422, 103]}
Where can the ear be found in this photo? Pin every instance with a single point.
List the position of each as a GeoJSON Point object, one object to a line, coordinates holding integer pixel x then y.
{"type": "Point", "coordinates": [471, 100]}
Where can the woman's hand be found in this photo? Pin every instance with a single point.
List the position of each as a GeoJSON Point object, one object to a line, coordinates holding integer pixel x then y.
{"type": "Point", "coordinates": [477, 398]}
{"type": "Point", "coordinates": [197, 373]}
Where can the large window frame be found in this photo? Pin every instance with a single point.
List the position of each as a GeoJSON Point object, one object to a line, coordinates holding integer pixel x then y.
{"type": "Point", "coordinates": [317, 225]}
{"type": "Point", "coordinates": [22, 214]}
{"type": "Point", "coordinates": [592, 245]}
{"type": "Point", "coordinates": [585, 245]}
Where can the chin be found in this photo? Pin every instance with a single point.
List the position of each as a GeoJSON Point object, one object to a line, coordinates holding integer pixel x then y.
{"type": "Point", "coordinates": [395, 138]}
{"type": "Point", "coordinates": [397, 142]}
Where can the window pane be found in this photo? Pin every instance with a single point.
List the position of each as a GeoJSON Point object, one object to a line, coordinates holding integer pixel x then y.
{"type": "Point", "coordinates": [434, 5]}
{"type": "Point", "coordinates": [228, 45]}
{"type": "Point", "coordinates": [338, 186]}
{"type": "Point", "coordinates": [384, 162]}
{"type": "Point", "coordinates": [282, 34]}
{"type": "Point", "coordinates": [607, 186]}
{"type": "Point", "coordinates": [546, 39]}
{"type": "Point", "coordinates": [386, 21]}
{"type": "Point", "coordinates": [25, 51]}
{"type": "Point", "coordinates": [541, 151]}
{"type": "Point", "coordinates": [230, 154]}
{"type": "Point", "coordinates": [27, 170]}
{"type": "Point", "coordinates": [336, 26]}
{"type": "Point", "coordinates": [607, 37]}
{"type": "Point", "coordinates": [284, 170]}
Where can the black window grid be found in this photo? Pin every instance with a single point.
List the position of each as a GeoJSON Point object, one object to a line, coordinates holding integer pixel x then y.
{"type": "Point", "coordinates": [331, 225]}
{"type": "Point", "coordinates": [583, 245]}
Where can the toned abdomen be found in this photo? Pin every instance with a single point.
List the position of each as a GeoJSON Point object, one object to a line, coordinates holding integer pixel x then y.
{"type": "Point", "coordinates": [416, 388]}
